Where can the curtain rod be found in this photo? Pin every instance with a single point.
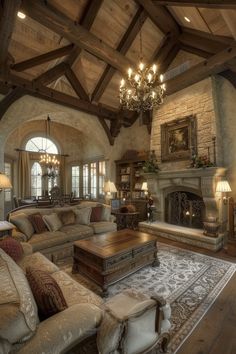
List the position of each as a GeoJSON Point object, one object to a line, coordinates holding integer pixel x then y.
{"type": "Point", "coordinates": [37, 152]}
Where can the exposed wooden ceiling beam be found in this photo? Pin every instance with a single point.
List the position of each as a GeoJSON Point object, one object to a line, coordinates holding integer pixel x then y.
{"type": "Point", "coordinates": [75, 83]}
{"type": "Point", "coordinates": [10, 8]}
{"type": "Point", "coordinates": [51, 74]}
{"type": "Point", "coordinates": [10, 98]}
{"type": "Point", "coordinates": [196, 51]}
{"type": "Point", "coordinates": [86, 21]}
{"type": "Point", "coordinates": [44, 58]}
{"type": "Point", "coordinates": [218, 4]}
{"type": "Point", "coordinates": [204, 41]}
{"type": "Point", "coordinates": [166, 53]}
{"type": "Point", "coordinates": [50, 17]}
{"type": "Point", "coordinates": [213, 65]}
{"type": "Point", "coordinates": [107, 130]}
{"type": "Point", "coordinates": [160, 17]}
{"type": "Point", "coordinates": [60, 98]}
{"type": "Point", "coordinates": [123, 47]}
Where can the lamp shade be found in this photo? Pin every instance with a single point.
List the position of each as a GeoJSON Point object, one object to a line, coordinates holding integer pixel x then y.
{"type": "Point", "coordinates": [4, 181]}
{"type": "Point", "coordinates": [109, 187]}
{"type": "Point", "coordinates": [223, 187]}
{"type": "Point", "coordinates": [144, 186]}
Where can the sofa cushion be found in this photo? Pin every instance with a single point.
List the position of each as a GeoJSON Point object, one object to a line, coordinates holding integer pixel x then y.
{"type": "Point", "coordinates": [19, 316]}
{"type": "Point", "coordinates": [76, 232]}
{"type": "Point", "coordinates": [83, 216]}
{"type": "Point", "coordinates": [67, 217]}
{"type": "Point", "coordinates": [46, 291]}
{"type": "Point", "coordinates": [106, 212]}
{"type": "Point", "coordinates": [46, 240]}
{"type": "Point", "coordinates": [22, 222]}
{"type": "Point", "coordinates": [37, 222]}
{"type": "Point", "coordinates": [52, 221]}
{"type": "Point", "coordinates": [12, 247]}
{"type": "Point", "coordinates": [96, 214]}
{"type": "Point", "coordinates": [74, 292]}
{"type": "Point", "coordinates": [103, 226]}
{"type": "Point", "coordinates": [38, 260]}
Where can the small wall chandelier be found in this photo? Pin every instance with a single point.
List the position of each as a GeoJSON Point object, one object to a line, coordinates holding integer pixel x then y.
{"type": "Point", "coordinates": [48, 160]}
{"type": "Point", "coordinates": [143, 89]}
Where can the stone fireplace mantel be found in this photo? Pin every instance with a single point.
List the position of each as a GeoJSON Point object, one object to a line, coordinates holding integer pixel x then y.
{"type": "Point", "coordinates": [201, 181]}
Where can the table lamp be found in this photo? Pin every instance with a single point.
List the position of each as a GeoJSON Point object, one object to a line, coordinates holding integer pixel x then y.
{"type": "Point", "coordinates": [223, 187]}
{"type": "Point", "coordinates": [4, 182]}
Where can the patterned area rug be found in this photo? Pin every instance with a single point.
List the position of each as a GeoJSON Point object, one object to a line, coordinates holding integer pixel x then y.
{"type": "Point", "coordinates": [189, 281]}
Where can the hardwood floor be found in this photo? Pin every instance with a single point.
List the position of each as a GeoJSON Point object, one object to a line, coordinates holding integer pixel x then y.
{"type": "Point", "coordinates": [216, 332]}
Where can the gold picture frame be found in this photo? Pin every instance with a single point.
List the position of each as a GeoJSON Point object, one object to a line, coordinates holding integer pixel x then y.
{"type": "Point", "coordinates": [179, 139]}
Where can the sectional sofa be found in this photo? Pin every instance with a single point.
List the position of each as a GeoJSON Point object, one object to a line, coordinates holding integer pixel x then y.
{"type": "Point", "coordinates": [65, 225]}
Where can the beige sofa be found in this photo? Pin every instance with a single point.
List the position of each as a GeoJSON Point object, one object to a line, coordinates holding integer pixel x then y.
{"type": "Point", "coordinates": [128, 323]}
{"type": "Point", "coordinates": [59, 244]}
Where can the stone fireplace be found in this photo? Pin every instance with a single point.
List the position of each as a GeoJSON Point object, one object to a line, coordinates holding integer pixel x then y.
{"type": "Point", "coordinates": [190, 191]}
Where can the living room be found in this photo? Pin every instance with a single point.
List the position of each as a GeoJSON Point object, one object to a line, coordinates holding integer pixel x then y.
{"type": "Point", "coordinates": [64, 96]}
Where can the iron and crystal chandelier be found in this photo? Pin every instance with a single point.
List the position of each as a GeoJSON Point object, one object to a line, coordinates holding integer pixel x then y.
{"type": "Point", "coordinates": [143, 88]}
{"type": "Point", "coordinates": [48, 160]}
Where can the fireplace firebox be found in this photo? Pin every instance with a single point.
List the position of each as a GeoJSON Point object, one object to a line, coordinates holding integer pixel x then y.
{"type": "Point", "coordinates": [184, 209]}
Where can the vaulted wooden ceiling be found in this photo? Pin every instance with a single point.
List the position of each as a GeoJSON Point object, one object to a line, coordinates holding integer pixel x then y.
{"type": "Point", "coordinates": [75, 52]}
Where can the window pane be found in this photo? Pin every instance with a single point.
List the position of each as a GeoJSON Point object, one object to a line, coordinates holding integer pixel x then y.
{"type": "Point", "coordinates": [93, 179]}
{"type": "Point", "coordinates": [75, 180]}
{"type": "Point", "coordinates": [7, 171]}
{"type": "Point", "coordinates": [40, 144]}
{"type": "Point", "coordinates": [36, 180]}
{"type": "Point", "coordinates": [102, 174]}
{"type": "Point", "coordinates": [85, 180]}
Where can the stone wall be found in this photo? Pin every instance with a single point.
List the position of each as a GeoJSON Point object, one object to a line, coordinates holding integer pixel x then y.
{"type": "Point", "coordinates": [194, 100]}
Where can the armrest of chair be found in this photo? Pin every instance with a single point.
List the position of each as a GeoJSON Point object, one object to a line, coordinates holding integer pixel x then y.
{"type": "Point", "coordinates": [64, 330]}
{"type": "Point", "coordinates": [27, 248]}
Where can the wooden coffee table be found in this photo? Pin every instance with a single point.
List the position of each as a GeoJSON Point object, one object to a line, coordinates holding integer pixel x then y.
{"type": "Point", "coordinates": [108, 258]}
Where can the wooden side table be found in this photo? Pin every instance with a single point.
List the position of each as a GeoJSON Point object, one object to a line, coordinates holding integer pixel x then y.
{"type": "Point", "coordinates": [127, 220]}
{"type": "Point", "coordinates": [6, 228]}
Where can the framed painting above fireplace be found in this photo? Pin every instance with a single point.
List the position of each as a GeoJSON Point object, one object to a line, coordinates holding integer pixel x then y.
{"type": "Point", "coordinates": [179, 139]}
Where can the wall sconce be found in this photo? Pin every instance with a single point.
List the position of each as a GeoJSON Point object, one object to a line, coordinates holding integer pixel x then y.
{"type": "Point", "coordinates": [109, 188]}
{"type": "Point", "coordinates": [223, 187]}
{"type": "Point", "coordinates": [145, 188]}
{"type": "Point", "coordinates": [4, 182]}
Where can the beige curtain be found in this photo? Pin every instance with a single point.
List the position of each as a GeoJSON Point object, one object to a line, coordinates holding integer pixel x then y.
{"type": "Point", "coordinates": [24, 174]}
{"type": "Point", "coordinates": [62, 172]}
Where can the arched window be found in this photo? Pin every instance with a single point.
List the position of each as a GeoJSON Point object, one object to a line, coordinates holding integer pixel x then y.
{"type": "Point", "coordinates": [40, 144]}
{"type": "Point", "coordinates": [36, 180]}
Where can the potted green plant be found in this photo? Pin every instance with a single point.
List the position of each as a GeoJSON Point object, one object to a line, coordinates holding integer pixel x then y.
{"type": "Point", "coordinates": [150, 165]}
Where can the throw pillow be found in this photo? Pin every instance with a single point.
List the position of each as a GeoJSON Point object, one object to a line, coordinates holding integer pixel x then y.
{"type": "Point", "coordinates": [22, 222]}
{"type": "Point", "coordinates": [106, 212]}
{"type": "Point", "coordinates": [83, 216]}
{"type": "Point", "coordinates": [47, 293]}
{"type": "Point", "coordinates": [12, 247]}
{"type": "Point", "coordinates": [67, 217]}
{"type": "Point", "coordinates": [52, 221]}
{"type": "Point", "coordinates": [37, 222]}
{"type": "Point", "coordinates": [96, 214]}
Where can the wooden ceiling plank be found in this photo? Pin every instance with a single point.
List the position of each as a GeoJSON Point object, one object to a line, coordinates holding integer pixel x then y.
{"type": "Point", "coordinates": [160, 16]}
{"type": "Point", "coordinates": [123, 47]}
{"type": "Point", "coordinates": [51, 74]}
{"type": "Point", "coordinates": [86, 21]}
{"type": "Point", "coordinates": [217, 4]}
{"type": "Point", "coordinates": [10, 98]}
{"type": "Point", "coordinates": [196, 51]}
{"type": "Point", "coordinates": [162, 53]}
{"type": "Point", "coordinates": [61, 98]}
{"type": "Point", "coordinates": [48, 16]}
{"type": "Point", "coordinates": [204, 41]}
{"type": "Point", "coordinates": [75, 83]}
{"type": "Point", "coordinates": [44, 58]}
{"type": "Point", "coordinates": [10, 9]}
{"type": "Point", "coordinates": [214, 65]}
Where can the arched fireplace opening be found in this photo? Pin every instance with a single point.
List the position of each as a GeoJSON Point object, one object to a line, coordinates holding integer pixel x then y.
{"type": "Point", "coordinates": [184, 209]}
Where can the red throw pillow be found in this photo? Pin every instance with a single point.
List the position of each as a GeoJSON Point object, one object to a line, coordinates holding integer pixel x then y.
{"type": "Point", "coordinates": [37, 222]}
{"type": "Point", "coordinates": [47, 293]}
{"type": "Point", "coordinates": [96, 214]}
{"type": "Point", "coordinates": [12, 247]}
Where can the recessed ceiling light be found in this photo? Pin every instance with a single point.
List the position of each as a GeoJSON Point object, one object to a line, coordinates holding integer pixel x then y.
{"type": "Point", "coordinates": [21, 15]}
{"type": "Point", "coordinates": [187, 19]}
